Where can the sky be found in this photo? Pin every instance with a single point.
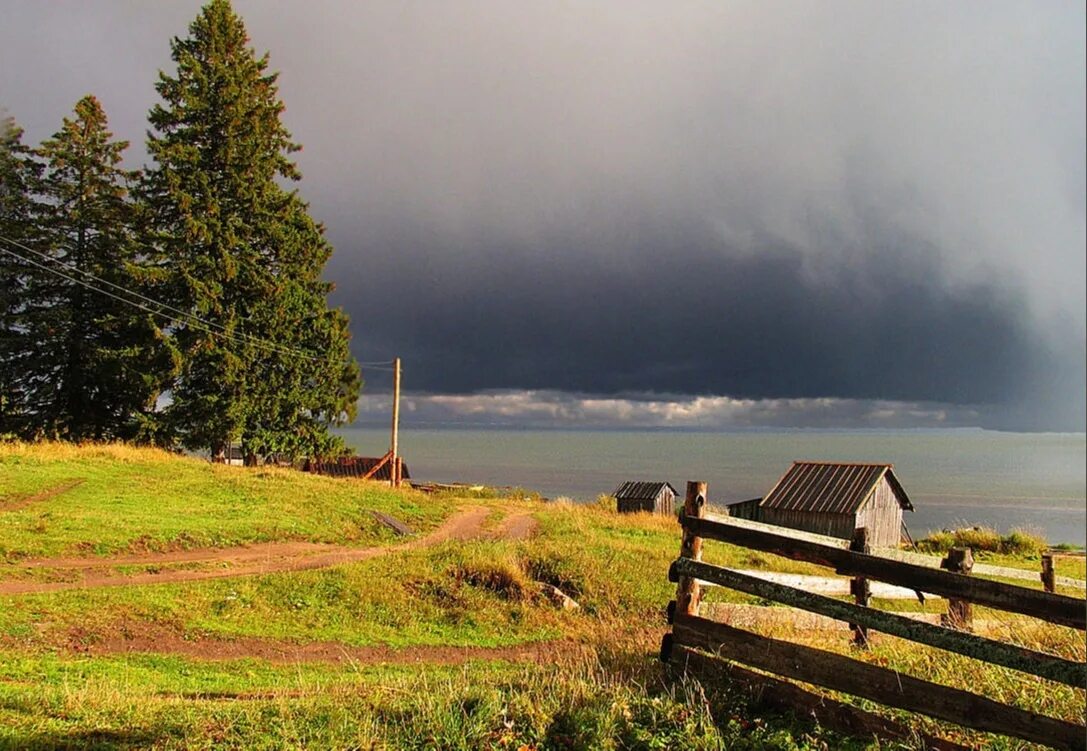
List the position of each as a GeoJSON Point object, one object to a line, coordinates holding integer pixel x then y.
{"type": "Point", "coordinates": [702, 215]}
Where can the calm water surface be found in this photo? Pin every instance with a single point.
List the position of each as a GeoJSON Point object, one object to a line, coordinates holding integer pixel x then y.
{"type": "Point", "coordinates": [1003, 480]}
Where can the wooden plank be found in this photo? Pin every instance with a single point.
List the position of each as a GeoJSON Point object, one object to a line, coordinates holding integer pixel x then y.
{"type": "Point", "coordinates": [373, 470]}
{"type": "Point", "coordinates": [841, 673]}
{"type": "Point", "coordinates": [788, 697]}
{"type": "Point", "coordinates": [688, 593]}
{"type": "Point", "coordinates": [1060, 609]}
{"type": "Point", "coordinates": [1069, 672]}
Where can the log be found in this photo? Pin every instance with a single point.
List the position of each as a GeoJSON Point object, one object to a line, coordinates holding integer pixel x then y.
{"type": "Point", "coordinates": [889, 687]}
{"type": "Point", "coordinates": [1069, 672]}
{"type": "Point", "coordinates": [1060, 609]}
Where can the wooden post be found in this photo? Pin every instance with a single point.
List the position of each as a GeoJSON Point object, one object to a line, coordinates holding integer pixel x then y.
{"type": "Point", "coordinates": [960, 614]}
{"type": "Point", "coordinates": [688, 593]}
{"type": "Point", "coordinates": [394, 448]}
{"type": "Point", "coordinates": [859, 586]}
{"type": "Point", "coordinates": [1049, 576]}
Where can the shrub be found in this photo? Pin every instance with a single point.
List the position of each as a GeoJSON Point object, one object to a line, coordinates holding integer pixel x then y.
{"type": "Point", "coordinates": [937, 542]}
{"type": "Point", "coordinates": [1021, 542]}
{"type": "Point", "coordinates": [978, 538]}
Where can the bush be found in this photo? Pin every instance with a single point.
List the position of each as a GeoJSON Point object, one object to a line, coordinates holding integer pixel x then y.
{"type": "Point", "coordinates": [1018, 542]}
{"type": "Point", "coordinates": [1023, 543]}
{"type": "Point", "coordinates": [937, 542]}
{"type": "Point", "coordinates": [978, 538]}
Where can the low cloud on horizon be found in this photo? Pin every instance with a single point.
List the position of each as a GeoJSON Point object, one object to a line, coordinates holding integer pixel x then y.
{"type": "Point", "coordinates": [557, 409]}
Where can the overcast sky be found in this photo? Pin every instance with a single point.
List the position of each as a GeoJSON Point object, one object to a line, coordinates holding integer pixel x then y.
{"type": "Point", "coordinates": [691, 214]}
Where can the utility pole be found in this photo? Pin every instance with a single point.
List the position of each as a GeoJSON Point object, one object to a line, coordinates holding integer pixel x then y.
{"type": "Point", "coordinates": [394, 449]}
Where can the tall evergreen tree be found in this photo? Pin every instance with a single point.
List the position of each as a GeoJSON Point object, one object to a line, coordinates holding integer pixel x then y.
{"type": "Point", "coordinates": [99, 362]}
{"type": "Point", "coordinates": [271, 366]}
{"type": "Point", "coordinates": [20, 173]}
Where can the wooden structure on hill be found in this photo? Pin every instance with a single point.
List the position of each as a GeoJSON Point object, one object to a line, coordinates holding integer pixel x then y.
{"type": "Point", "coordinates": [361, 467]}
{"type": "Point", "coordinates": [654, 497]}
{"type": "Point", "coordinates": [834, 498]}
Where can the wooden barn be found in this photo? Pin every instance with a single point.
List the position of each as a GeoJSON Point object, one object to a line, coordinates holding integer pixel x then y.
{"type": "Point", "coordinates": [834, 498]}
{"type": "Point", "coordinates": [655, 497]}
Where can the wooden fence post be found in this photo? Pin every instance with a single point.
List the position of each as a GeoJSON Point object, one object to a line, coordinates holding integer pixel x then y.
{"type": "Point", "coordinates": [859, 586]}
{"type": "Point", "coordinates": [960, 613]}
{"type": "Point", "coordinates": [688, 592]}
{"type": "Point", "coordinates": [1049, 576]}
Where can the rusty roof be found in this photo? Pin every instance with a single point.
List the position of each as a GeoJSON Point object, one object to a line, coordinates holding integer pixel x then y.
{"type": "Point", "coordinates": [355, 466]}
{"type": "Point", "coordinates": [641, 491]}
{"type": "Point", "coordinates": [831, 487]}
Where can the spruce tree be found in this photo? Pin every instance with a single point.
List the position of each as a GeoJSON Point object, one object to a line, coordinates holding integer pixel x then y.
{"type": "Point", "coordinates": [270, 365]}
{"type": "Point", "coordinates": [19, 177]}
{"type": "Point", "coordinates": [100, 361]}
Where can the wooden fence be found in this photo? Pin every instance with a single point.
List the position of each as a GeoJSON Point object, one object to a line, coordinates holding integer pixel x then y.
{"type": "Point", "coordinates": [700, 642]}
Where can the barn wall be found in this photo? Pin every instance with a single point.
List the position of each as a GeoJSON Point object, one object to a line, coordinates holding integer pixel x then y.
{"type": "Point", "coordinates": [882, 514]}
{"type": "Point", "coordinates": [666, 503]}
{"type": "Point", "coordinates": [745, 510]}
{"type": "Point", "coordinates": [832, 525]}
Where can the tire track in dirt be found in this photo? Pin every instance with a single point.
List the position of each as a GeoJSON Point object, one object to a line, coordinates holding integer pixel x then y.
{"type": "Point", "coordinates": [518, 526]}
{"type": "Point", "coordinates": [17, 502]}
{"type": "Point", "coordinates": [132, 638]}
{"type": "Point", "coordinates": [248, 560]}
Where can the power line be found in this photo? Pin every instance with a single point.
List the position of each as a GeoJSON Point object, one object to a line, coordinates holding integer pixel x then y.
{"type": "Point", "coordinates": [206, 326]}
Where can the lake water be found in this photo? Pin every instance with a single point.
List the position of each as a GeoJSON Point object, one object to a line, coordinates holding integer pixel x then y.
{"type": "Point", "coordinates": [953, 477]}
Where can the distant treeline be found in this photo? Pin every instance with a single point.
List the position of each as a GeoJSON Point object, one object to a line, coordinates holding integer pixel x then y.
{"type": "Point", "coordinates": [181, 304]}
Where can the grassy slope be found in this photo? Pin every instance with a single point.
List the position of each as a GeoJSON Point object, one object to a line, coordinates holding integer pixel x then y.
{"type": "Point", "coordinates": [464, 594]}
{"type": "Point", "coordinates": [132, 499]}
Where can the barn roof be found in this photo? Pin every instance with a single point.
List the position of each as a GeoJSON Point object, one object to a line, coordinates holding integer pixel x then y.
{"type": "Point", "coordinates": [641, 491]}
{"type": "Point", "coordinates": [356, 466]}
{"type": "Point", "coordinates": [831, 487]}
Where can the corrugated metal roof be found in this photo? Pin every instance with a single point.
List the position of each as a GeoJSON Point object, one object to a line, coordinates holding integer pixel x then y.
{"type": "Point", "coordinates": [831, 487]}
{"type": "Point", "coordinates": [641, 491]}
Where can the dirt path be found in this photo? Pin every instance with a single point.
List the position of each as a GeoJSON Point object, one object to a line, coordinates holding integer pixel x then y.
{"type": "Point", "coordinates": [16, 502]}
{"type": "Point", "coordinates": [245, 560]}
{"type": "Point", "coordinates": [519, 526]}
{"type": "Point", "coordinates": [139, 637]}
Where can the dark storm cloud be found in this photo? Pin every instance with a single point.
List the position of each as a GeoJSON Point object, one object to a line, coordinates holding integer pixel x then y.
{"type": "Point", "coordinates": [673, 311]}
{"type": "Point", "coordinates": [870, 201]}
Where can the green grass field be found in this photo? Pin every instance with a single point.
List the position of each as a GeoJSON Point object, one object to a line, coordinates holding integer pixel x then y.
{"type": "Point", "coordinates": [441, 645]}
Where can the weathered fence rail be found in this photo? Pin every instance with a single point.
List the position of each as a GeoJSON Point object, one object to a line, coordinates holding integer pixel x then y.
{"type": "Point", "coordinates": [693, 635]}
{"type": "Point", "coordinates": [1055, 608]}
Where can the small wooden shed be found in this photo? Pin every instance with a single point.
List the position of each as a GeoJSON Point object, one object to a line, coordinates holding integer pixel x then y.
{"type": "Point", "coordinates": [655, 497]}
{"type": "Point", "coordinates": [834, 498]}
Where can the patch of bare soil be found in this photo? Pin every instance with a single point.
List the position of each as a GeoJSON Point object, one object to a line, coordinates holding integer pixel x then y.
{"type": "Point", "coordinates": [141, 637]}
{"type": "Point", "coordinates": [248, 560]}
{"type": "Point", "coordinates": [519, 526]}
{"type": "Point", "coordinates": [16, 502]}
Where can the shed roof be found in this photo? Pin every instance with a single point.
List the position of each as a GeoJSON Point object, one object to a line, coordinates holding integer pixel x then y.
{"type": "Point", "coordinates": [831, 487]}
{"type": "Point", "coordinates": [356, 466]}
{"type": "Point", "coordinates": [641, 491]}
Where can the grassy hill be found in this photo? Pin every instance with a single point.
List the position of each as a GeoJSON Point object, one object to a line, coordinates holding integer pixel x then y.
{"type": "Point", "coordinates": [152, 600]}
